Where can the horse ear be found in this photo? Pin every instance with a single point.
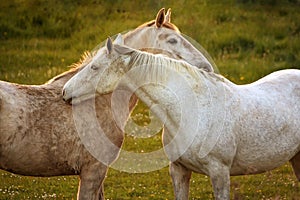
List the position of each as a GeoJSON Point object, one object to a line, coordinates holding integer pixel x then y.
{"type": "Point", "coordinates": [119, 40]}
{"type": "Point", "coordinates": [168, 16]}
{"type": "Point", "coordinates": [123, 49]}
{"type": "Point", "coordinates": [109, 45]}
{"type": "Point", "coordinates": [160, 18]}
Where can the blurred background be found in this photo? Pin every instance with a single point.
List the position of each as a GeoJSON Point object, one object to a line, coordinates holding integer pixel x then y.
{"type": "Point", "coordinates": [247, 39]}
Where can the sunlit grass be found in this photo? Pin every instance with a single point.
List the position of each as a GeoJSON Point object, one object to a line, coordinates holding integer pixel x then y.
{"type": "Point", "coordinates": [21, 187]}
{"type": "Point", "coordinates": [246, 40]}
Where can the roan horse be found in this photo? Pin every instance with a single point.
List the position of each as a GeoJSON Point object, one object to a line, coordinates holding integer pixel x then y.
{"type": "Point", "coordinates": [38, 136]}
{"type": "Point", "coordinates": [212, 126]}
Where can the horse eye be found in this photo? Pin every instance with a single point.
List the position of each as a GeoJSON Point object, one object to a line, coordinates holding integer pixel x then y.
{"type": "Point", "coordinates": [172, 41]}
{"type": "Point", "coordinates": [94, 67]}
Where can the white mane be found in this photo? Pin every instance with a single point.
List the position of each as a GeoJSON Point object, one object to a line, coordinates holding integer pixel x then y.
{"type": "Point", "coordinates": [153, 67]}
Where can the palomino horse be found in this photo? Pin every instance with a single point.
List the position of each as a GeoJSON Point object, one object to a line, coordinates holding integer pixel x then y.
{"type": "Point", "coordinates": [38, 136]}
{"type": "Point", "coordinates": [212, 126]}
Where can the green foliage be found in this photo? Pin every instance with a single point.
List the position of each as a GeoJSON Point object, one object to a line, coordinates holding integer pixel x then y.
{"type": "Point", "coordinates": [268, 2]}
{"type": "Point", "coordinates": [247, 39]}
{"type": "Point", "coordinates": [50, 19]}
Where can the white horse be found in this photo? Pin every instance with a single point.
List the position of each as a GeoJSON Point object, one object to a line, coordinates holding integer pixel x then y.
{"type": "Point", "coordinates": [212, 126]}
{"type": "Point", "coordinates": [38, 136]}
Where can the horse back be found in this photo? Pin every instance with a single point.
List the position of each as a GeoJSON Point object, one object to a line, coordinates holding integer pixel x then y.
{"type": "Point", "coordinates": [288, 81]}
{"type": "Point", "coordinates": [280, 86]}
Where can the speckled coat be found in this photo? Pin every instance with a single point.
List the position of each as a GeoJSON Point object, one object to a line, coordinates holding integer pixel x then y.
{"type": "Point", "coordinates": [39, 138]}
{"type": "Point", "coordinates": [38, 135]}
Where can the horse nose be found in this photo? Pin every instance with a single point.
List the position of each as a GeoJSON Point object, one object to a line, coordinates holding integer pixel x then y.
{"type": "Point", "coordinates": [67, 100]}
{"type": "Point", "coordinates": [63, 93]}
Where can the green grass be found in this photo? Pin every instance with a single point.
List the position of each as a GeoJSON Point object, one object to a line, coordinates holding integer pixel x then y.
{"type": "Point", "coordinates": [247, 39]}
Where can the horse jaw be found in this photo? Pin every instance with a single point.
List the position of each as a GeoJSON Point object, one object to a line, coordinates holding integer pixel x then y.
{"type": "Point", "coordinates": [75, 94]}
{"type": "Point", "coordinates": [85, 97]}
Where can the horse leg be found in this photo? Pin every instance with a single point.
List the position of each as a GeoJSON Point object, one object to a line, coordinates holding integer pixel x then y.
{"type": "Point", "coordinates": [181, 180]}
{"type": "Point", "coordinates": [220, 179]}
{"type": "Point", "coordinates": [295, 161]}
{"type": "Point", "coordinates": [91, 182]}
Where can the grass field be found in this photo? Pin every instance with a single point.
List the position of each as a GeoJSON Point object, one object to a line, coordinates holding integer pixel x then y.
{"type": "Point", "coordinates": [247, 39]}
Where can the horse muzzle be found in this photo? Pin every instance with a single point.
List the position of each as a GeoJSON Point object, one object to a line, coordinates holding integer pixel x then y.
{"type": "Point", "coordinates": [66, 98]}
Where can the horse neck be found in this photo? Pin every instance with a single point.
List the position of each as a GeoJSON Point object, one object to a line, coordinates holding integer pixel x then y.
{"type": "Point", "coordinates": [143, 38]}
{"type": "Point", "coordinates": [130, 39]}
{"type": "Point", "coordinates": [157, 105]}
{"type": "Point", "coordinates": [191, 87]}
{"type": "Point", "coordinates": [155, 95]}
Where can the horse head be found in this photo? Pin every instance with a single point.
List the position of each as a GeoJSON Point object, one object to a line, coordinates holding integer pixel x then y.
{"type": "Point", "coordinates": [162, 34]}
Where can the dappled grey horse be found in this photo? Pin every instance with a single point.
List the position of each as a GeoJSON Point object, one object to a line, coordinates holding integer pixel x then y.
{"type": "Point", "coordinates": [212, 126]}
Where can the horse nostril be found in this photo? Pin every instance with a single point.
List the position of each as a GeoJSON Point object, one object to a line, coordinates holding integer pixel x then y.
{"type": "Point", "coordinates": [67, 100]}
{"type": "Point", "coordinates": [63, 93]}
